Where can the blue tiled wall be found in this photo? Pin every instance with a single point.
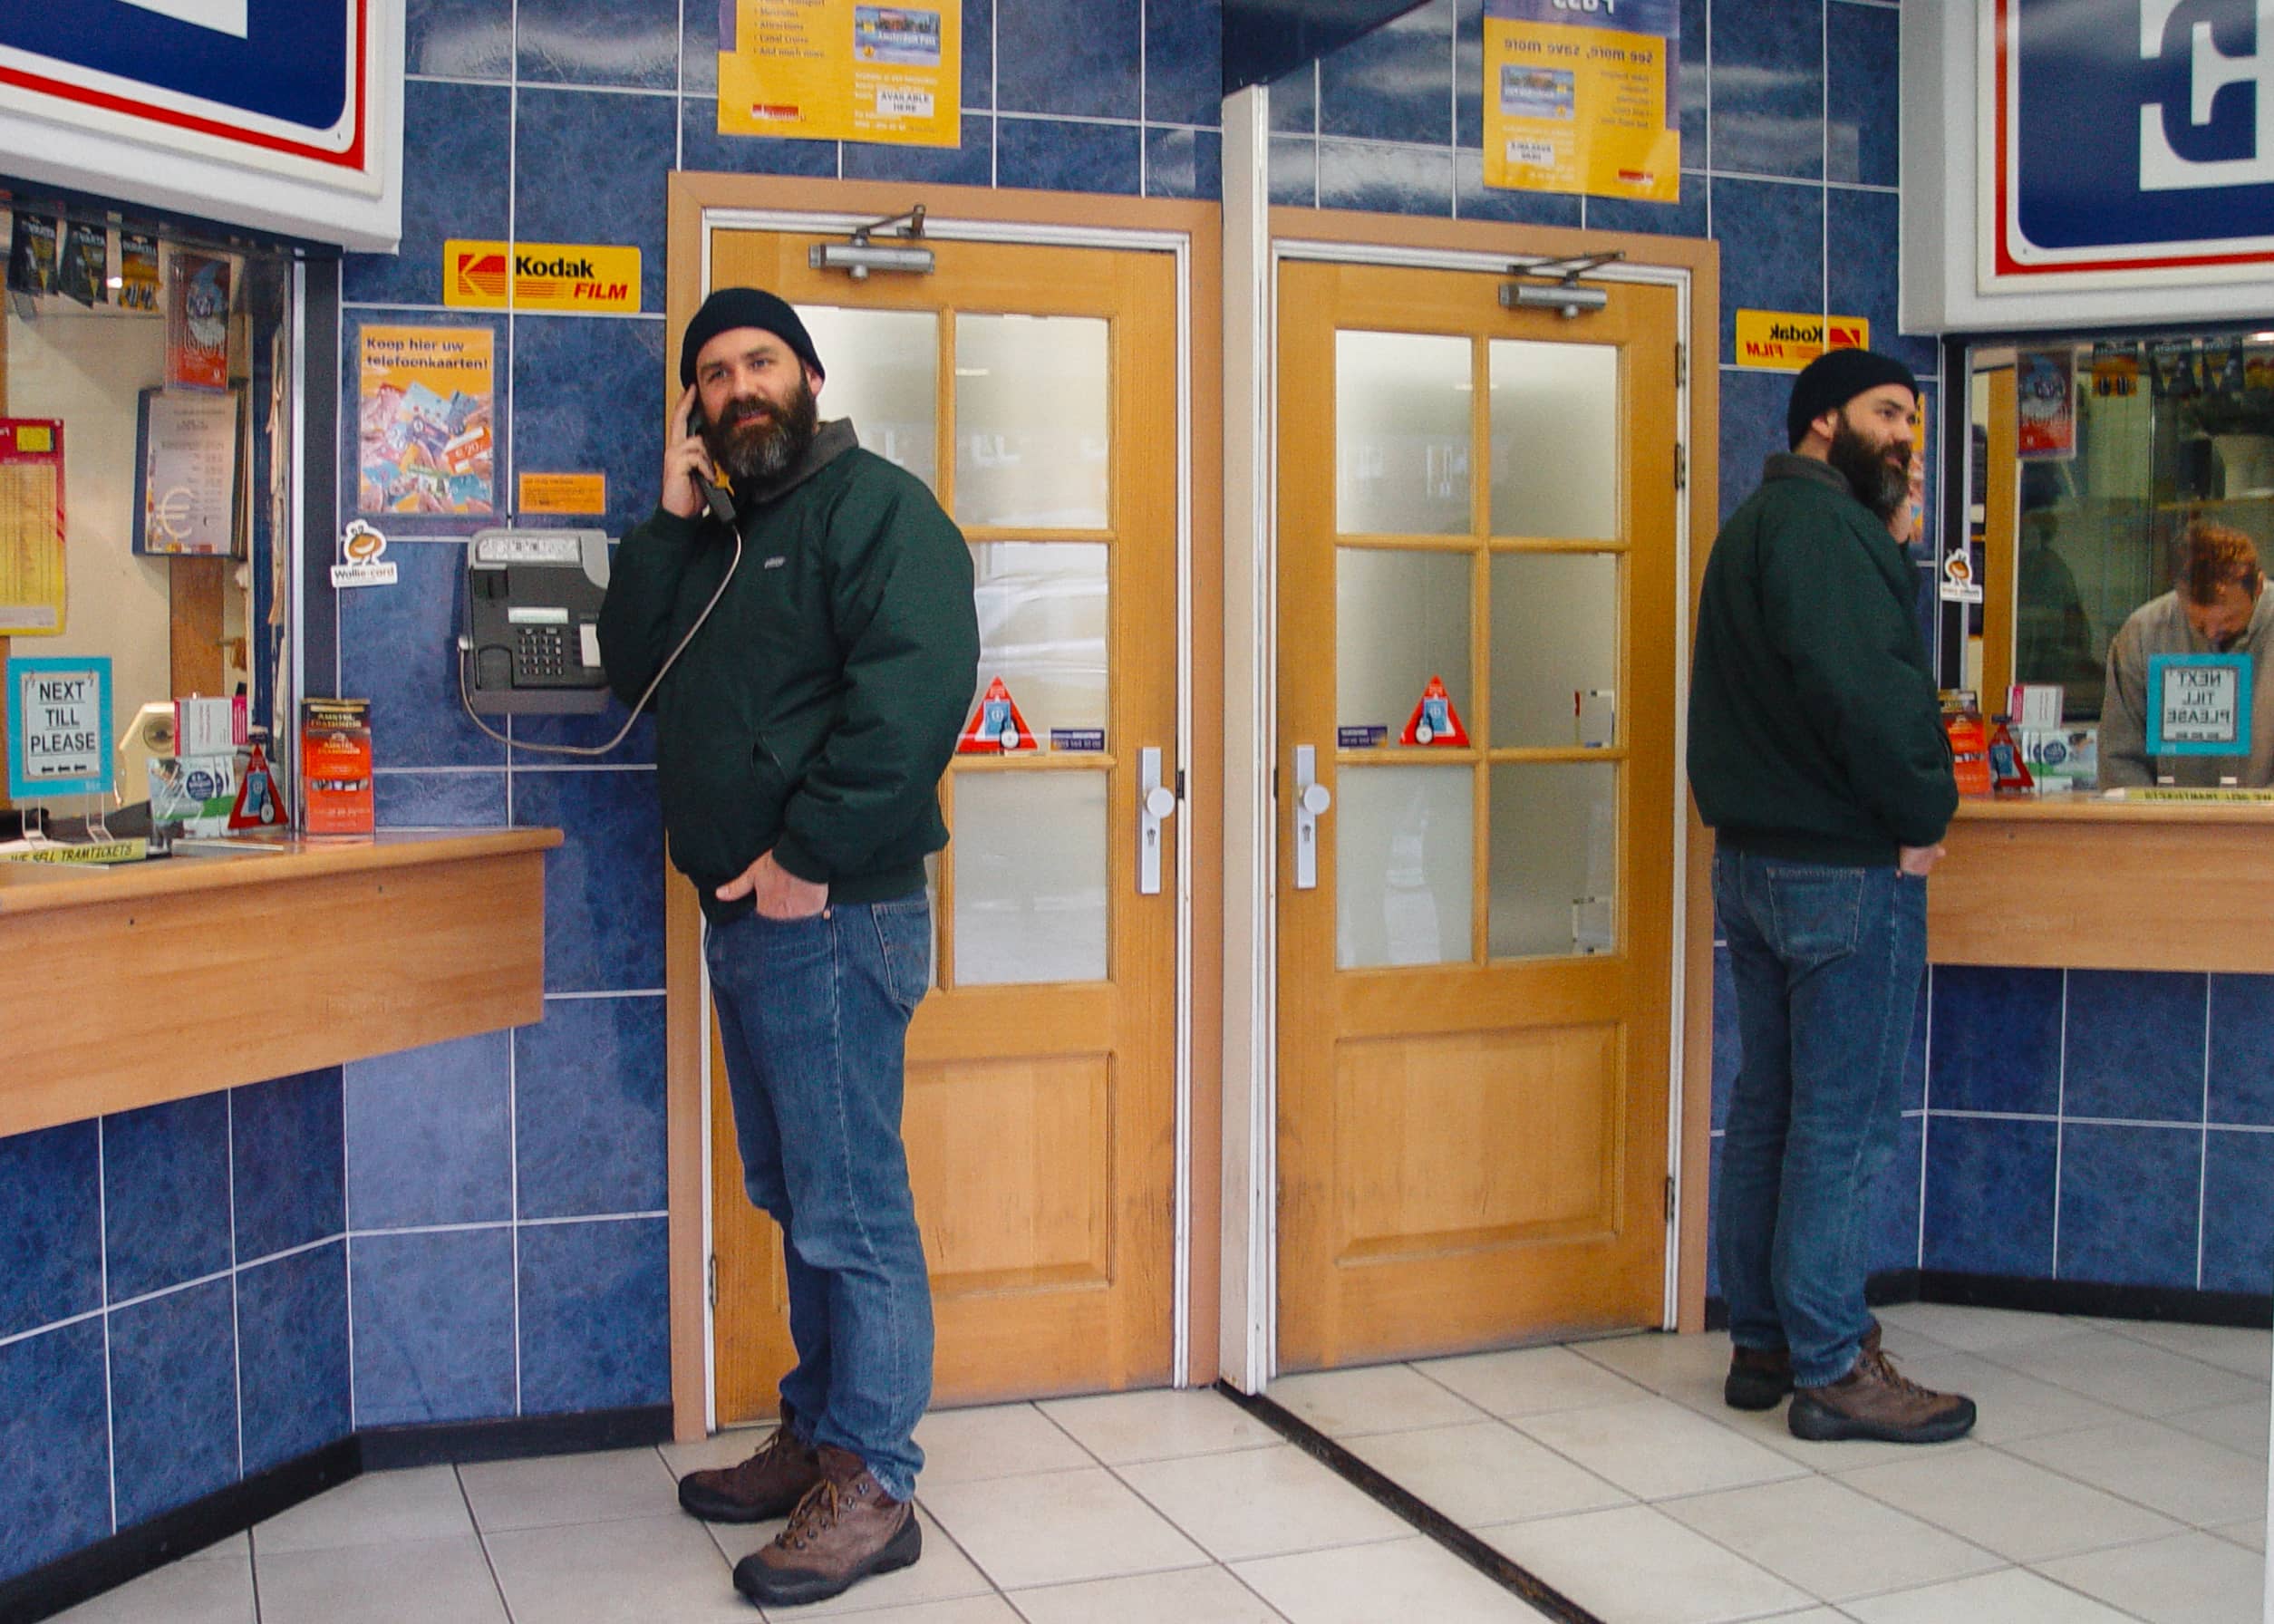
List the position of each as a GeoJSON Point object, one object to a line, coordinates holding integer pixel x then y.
{"type": "Point", "coordinates": [174, 1314]}
{"type": "Point", "coordinates": [2103, 1127]}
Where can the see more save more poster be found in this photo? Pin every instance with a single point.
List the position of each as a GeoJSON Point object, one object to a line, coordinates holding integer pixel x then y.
{"type": "Point", "coordinates": [1584, 96]}
{"type": "Point", "coordinates": [840, 70]}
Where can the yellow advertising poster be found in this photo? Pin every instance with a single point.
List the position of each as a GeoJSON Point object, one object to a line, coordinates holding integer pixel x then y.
{"type": "Point", "coordinates": [1584, 96]}
{"type": "Point", "coordinates": [424, 399]}
{"type": "Point", "coordinates": [567, 278]}
{"type": "Point", "coordinates": [1785, 340]}
{"type": "Point", "coordinates": [837, 70]}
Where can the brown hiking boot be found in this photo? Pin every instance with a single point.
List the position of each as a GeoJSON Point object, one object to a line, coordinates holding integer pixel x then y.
{"type": "Point", "coordinates": [767, 1485]}
{"type": "Point", "coordinates": [845, 1528]}
{"type": "Point", "coordinates": [1759, 1377]}
{"type": "Point", "coordinates": [1874, 1401]}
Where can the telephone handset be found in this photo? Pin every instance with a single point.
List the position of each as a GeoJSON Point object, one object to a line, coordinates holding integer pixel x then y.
{"type": "Point", "coordinates": [721, 507]}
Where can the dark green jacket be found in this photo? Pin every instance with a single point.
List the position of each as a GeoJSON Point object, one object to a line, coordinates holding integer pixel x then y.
{"type": "Point", "coordinates": [813, 714]}
{"type": "Point", "coordinates": [1816, 732]}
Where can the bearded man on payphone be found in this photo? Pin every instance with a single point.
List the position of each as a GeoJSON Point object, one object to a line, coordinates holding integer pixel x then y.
{"type": "Point", "coordinates": [809, 608]}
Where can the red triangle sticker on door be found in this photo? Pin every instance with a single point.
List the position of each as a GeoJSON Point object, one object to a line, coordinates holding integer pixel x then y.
{"type": "Point", "coordinates": [1434, 721]}
{"type": "Point", "coordinates": [996, 726]}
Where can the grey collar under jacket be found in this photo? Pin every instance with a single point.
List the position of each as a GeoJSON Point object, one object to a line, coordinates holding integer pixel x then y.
{"type": "Point", "coordinates": [1792, 465]}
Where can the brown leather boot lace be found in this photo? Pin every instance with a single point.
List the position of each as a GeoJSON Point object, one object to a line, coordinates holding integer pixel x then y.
{"type": "Point", "coordinates": [1883, 1364]}
{"type": "Point", "coordinates": [816, 1514]}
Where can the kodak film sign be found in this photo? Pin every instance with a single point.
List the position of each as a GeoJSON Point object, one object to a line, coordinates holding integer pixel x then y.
{"type": "Point", "coordinates": [1786, 341]}
{"type": "Point", "coordinates": [570, 278]}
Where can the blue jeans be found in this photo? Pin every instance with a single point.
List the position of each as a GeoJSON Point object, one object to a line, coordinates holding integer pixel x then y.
{"type": "Point", "coordinates": [813, 1017]}
{"type": "Point", "coordinates": [1827, 962]}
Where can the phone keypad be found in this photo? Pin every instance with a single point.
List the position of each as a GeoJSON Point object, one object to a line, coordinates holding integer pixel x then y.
{"type": "Point", "coordinates": [541, 657]}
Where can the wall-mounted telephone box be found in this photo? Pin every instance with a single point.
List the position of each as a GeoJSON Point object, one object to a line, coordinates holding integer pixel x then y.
{"type": "Point", "coordinates": [533, 620]}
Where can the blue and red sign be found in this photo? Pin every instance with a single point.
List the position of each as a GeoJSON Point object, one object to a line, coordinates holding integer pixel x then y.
{"type": "Point", "coordinates": [2133, 141]}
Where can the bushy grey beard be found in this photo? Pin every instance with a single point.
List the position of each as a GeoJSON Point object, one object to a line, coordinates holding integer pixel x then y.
{"type": "Point", "coordinates": [756, 445]}
{"type": "Point", "coordinates": [1879, 484]}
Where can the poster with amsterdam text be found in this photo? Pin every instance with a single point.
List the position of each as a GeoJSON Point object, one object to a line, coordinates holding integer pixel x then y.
{"type": "Point", "coordinates": [1584, 96]}
{"type": "Point", "coordinates": [839, 69]}
{"type": "Point", "coordinates": [423, 401]}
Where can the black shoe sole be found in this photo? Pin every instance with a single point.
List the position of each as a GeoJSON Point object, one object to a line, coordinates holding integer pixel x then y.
{"type": "Point", "coordinates": [733, 1511]}
{"type": "Point", "coordinates": [1746, 1391]}
{"type": "Point", "coordinates": [1820, 1424]}
{"type": "Point", "coordinates": [767, 1588]}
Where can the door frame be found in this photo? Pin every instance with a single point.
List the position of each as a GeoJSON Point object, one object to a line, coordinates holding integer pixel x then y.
{"type": "Point", "coordinates": [701, 202]}
{"type": "Point", "coordinates": [1259, 238]}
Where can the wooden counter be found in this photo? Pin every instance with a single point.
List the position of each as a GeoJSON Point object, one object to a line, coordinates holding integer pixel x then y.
{"type": "Point", "coordinates": [2076, 881]}
{"type": "Point", "coordinates": [157, 981]}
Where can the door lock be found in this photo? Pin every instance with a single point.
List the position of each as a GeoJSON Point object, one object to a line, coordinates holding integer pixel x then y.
{"type": "Point", "coordinates": [1157, 802]}
{"type": "Point", "coordinates": [1312, 800]}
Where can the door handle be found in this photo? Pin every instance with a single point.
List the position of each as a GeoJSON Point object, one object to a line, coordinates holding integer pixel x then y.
{"type": "Point", "coordinates": [1312, 799]}
{"type": "Point", "coordinates": [1157, 802]}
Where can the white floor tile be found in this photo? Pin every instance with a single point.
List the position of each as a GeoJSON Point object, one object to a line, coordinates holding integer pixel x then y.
{"type": "Point", "coordinates": [989, 1609]}
{"type": "Point", "coordinates": [1261, 1503]}
{"type": "Point", "coordinates": [1058, 1528]}
{"type": "Point", "coordinates": [1636, 1565]}
{"type": "Point", "coordinates": [1372, 1584]}
{"type": "Point", "coordinates": [2245, 1352]}
{"type": "Point", "coordinates": [2010, 1596]}
{"type": "Point", "coordinates": [1002, 1440]}
{"type": "Point", "coordinates": [189, 1592]}
{"type": "Point", "coordinates": [1349, 1403]}
{"type": "Point", "coordinates": [435, 1581]}
{"type": "Point", "coordinates": [2188, 1579]}
{"type": "Point", "coordinates": [2129, 1374]}
{"type": "Point", "coordinates": [1530, 1381]}
{"type": "Point", "coordinates": [1656, 1448]}
{"type": "Point", "coordinates": [1687, 1368]}
{"type": "Point", "coordinates": [1829, 1539]}
{"type": "Point", "coordinates": [2009, 1403]}
{"type": "Point", "coordinates": [2018, 1510]}
{"type": "Point", "coordinates": [2250, 1533]}
{"type": "Point", "coordinates": [632, 1571]}
{"type": "Point", "coordinates": [379, 1508]}
{"type": "Point", "coordinates": [237, 1545]}
{"type": "Point", "coordinates": [728, 1448]}
{"type": "Point", "coordinates": [1974, 1330]}
{"type": "Point", "coordinates": [1486, 1473]}
{"type": "Point", "coordinates": [1160, 1424]}
{"type": "Point", "coordinates": [1191, 1596]}
{"type": "Point", "coordinates": [548, 1492]}
{"type": "Point", "coordinates": [2181, 1475]}
{"type": "Point", "coordinates": [2242, 1428]}
{"type": "Point", "coordinates": [943, 1573]}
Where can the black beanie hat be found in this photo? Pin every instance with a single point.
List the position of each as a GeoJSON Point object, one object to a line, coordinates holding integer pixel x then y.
{"type": "Point", "coordinates": [732, 307]}
{"type": "Point", "coordinates": [1834, 379]}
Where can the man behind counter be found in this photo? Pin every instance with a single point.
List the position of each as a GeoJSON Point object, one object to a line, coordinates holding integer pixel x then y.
{"type": "Point", "coordinates": [2217, 605]}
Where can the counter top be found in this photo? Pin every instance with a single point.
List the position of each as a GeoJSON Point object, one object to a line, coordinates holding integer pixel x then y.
{"type": "Point", "coordinates": [2093, 808]}
{"type": "Point", "coordinates": [152, 982]}
{"type": "Point", "coordinates": [40, 887]}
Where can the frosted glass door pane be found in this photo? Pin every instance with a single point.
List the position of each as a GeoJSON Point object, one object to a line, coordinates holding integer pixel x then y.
{"type": "Point", "coordinates": [884, 372]}
{"type": "Point", "coordinates": [1032, 421]}
{"type": "Point", "coordinates": [1555, 634]}
{"type": "Point", "coordinates": [1405, 859]}
{"type": "Point", "coordinates": [1042, 630]}
{"type": "Point", "coordinates": [1554, 860]}
{"type": "Point", "coordinates": [1029, 866]}
{"type": "Point", "coordinates": [1555, 439]}
{"type": "Point", "coordinates": [1400, 618]}
{"type": "Point", "coordinates": [1402, 432]}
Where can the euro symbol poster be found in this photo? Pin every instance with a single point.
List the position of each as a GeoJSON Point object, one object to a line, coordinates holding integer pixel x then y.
{"type": "Point", "coordinates": [423, 420]}
{"type": "Point", "coordinates": [1584, 96]}
{"type": "Point", "coordinates": [837, 70]}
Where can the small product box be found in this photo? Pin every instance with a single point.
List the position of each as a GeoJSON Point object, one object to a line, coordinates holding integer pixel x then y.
{"type": "Point", "coordinates": [1970, 749]}
{"type": "Point", "coordinates": [336, 768]}
{"type": "Point", "coordinates": [2035, 704]}
{"type": "Point", "coordinates": [210, 727]}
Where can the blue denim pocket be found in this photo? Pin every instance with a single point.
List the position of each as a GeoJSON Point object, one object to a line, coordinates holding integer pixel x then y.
{"type": "Point", "coordinates": [904, 935]}
{"type": "Point", "coordinates": [1818, 911]}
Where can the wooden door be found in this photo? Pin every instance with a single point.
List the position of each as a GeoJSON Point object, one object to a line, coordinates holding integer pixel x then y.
{"type": "Point", "coordinates": [1475, 983]}
{"type": "Point", "coordinates": [1035, 390]}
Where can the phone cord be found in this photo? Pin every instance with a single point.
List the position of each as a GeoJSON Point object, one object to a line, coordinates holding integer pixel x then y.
{"type": "Point", "coordinates": [466, 698]}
